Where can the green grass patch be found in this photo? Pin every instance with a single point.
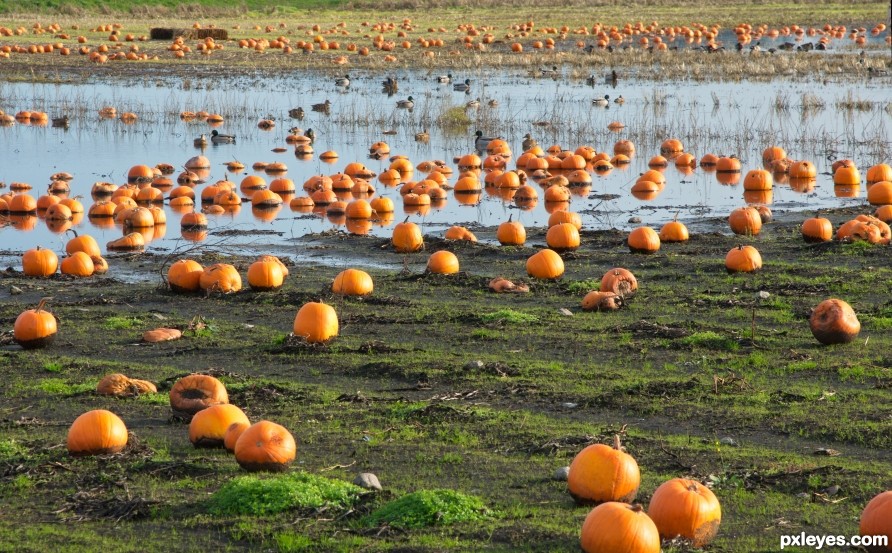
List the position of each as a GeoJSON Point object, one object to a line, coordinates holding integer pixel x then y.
{"type": "Point", "coordinates": [11, 449]}
{"type": "Point", "coordinates": [121, 323]}
{"type": "Point", "coordinates": [430, 508]}
{"type": "Point", "coordinates": [257, 495]}
{"type": "Point", "coordinates": [508, 316]}
{"type": "Point", "coordinates": [58, 386]}
{"type": "Point", "coordinates": [710, 340]}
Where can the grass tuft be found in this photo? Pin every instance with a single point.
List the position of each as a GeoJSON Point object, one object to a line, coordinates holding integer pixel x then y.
{"type": "Point", "coordinates": [256, 495]}
{"type": "Point", "coordinates": [430, 508]}
{"type": "Point", "coordinates": [508, 316]}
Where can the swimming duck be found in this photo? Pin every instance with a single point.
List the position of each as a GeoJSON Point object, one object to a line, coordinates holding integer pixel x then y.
{"type": "Point", "coordinates": [407, 103]}
{"type": "Point", "coordinates": [528, 142]}
{"type": "Point", "coordinates": [620, 100]}
{"type": "Point", "coordinates": [481, 142]}
{"type": "Point", "coordinates": [201, 141]}
{"type": "Point", "coordinates": [61, 122]}
{"type": "Point", "coordinates": [310, 134]}
{"type": "Point", "coordinates": [602, 102]}
{"type": "Point", "coordinates": [445, 79]}
{"type": "Point", "coordinates": [422, 136]}
{"type": "Point", "coordinates": [323, 107]}
{"type": "Point", "coordinates": [553, 72]}
{"type": "Point", "coordinates": [343, 81]}
{"type": "Point", "coordinates": [591, 79]}
{"type": "Point", "coordinates": [473, 104]}
{"type": "Point", "coordinates": [492, 103]}
{"type": "Point", "coordinates": [218, 138]}
{"type": "Point", "coordinates": [296, 113]}
{"type": "Point", "coordinates": [462, 87]}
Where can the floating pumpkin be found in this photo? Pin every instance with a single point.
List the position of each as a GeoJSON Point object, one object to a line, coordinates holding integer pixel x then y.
{"type": "Point", "coordinates": [220, 277]}
{"type": "Point", "coordinates": [644, 240]}
{"type": "Point", "coordinates": [758, 179]}
{"type": "Point", "coordinates": [195, 392]}
{"type": "Point", "coordinates": [878, 173]}
{"type": "Point", "coordinates": [597, 300]}
{"type": "Point", "coordinates": [39, 262]}
{"type": "Point", "coordinates": [98, 432]}
{"type": "Point", "coordinates": [511, 233]}
{"type": "Point", "coordinates": [266, 274]}
{"type": "Point", "coordinates": [209, 426]}
{"type": "Point", "coordinates": [846, 175]}
{"type": "Point", "coordinates": [265, 446]}
{"type": "Point", "coordinates": [407, 237]}
{"type": "Point", "coordinates": [817, 229]}
{"type": "Point", "coordinates": [316, 322]}
{"type": "Point", "coordinates": [620, 281]}
{"type": "Point", "coordinates": [562, 237]}
{"type": "Point", "coordinates": [352, 282]}
{"type": "Point", "coordinates": [130, 242]}
{"type": "Point", "coordinates": [184, 276]}
{"type": "Point", "coordinates": [442, 263]}
{"type": "Point", "coordinates": [743, 259]}
{"type": "Point", "coordinates": [602, 473]}
{"type": "Point", "coordinates": [545, 264]}
{"type": "Point", "coordinates": [745, 221]}
{"type": "Point", "coordinates": [876, 520]}
{"type": "Point", "coordinates": [686, 508]}
{"type": "Point", "coordinates": [834, 321]}
{"type": "Point", "coordinates": [615, 527]}
{"type": "Point", "coordinates": [35, 328]}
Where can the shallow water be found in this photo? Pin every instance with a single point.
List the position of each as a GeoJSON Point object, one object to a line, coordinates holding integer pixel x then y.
{"type": "Point", "coordinates": [739, 118]}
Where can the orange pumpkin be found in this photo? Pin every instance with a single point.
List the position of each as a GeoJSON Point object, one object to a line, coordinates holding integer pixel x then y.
{"type": "Point", "coordinates": [644, 240]}
{"type": "Point", "coordinates": [195, 392]}
{"type": "Point", "coordinates": [316, 322]}
{"type": "Point", "coordinates": [443, 263]}
{"type": "Point", "coordinates": [39, 262]}
{"type": "Point", "coordinates": [743, 259]}
{"type": "Point", "coordinates": [120, 385]}
{"type": "Point", "coordinates": [97, 432]}
{"type": "Point", "coordinates": [265, 446]}
{"type": "Point", "coordinates": [834, 321]}
{"type": "Point", "coordinates": [686, 508]}
{"type": "Point", "coordinates": [620, 281]}
{"type": "Point", "coordinates": [511, 233]}
{"type": "Point", "coordinates": [601, 473]}
{"type": "Point", "coordinates": [266, 274]}
{"type": "Point", "coordinates": [562, 237]}
{"type": "Point", "coordinates": [597, 300]}
{"type": "Point", "coordinates": [352, 282]}
{"type": "Point", "coordinates": [758, 179]}
{"type": "Point", "coordinates": [880, 193]}
{"type": "Point", "coordinates": [878, 173]}
{"type": "Point", "coordinates": [407, 237]}
{"type": "Point", "coordinates": [35, 328]}
{"type": "Point", "coordinates": [674, 231]}
{"type": "Point", "coordinates": [457, 232]}
{"type": "Point", "coordinates": [876, 520]}
{"type": "Point", "coordinates": [233, 433]}
{"type": "Point", "coordinates": [209, 426]}
{"type": "Point", "coordinates": [615, 527]}
{"type": "Point", "coordinates": [184, 275]}
{"type": "Point", "coordinates": [546, 264]}
{"type": "Point", "coordinates": [817, 229]}
{"type": "Point", "coordinates": [745, 221]}
{"type": "Point", "coordinates": [220, 277]}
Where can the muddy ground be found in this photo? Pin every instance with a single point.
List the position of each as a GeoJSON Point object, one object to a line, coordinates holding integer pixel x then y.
{"type": "Point", "coordinates": [435, 382]}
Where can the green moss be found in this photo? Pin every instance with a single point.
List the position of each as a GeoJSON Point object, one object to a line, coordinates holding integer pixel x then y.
{"type": "Point", "coordinates": [257, 495]}
{"type": "Point", "coordinates": [508, 316]}
{"type": "Point", "coordinates": [710, 340]}
{"type": "Point", "coordinates": [121, 323]}
{"type": "Point", "coordinates": [430, 508]}
{"type": "Point", "coordinates": [11, 449]}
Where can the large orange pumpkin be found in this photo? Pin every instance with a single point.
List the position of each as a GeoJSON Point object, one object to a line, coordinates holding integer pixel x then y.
{"type": "Point", "coordinates": [644, 240]}
{"type": "Point", "coordinates": [686, 508]}
{"type": "Point", "coordinates": [35, 328]}
{"type": "Point", "coordinates": [220, 277]}
{"type": "Point", "coordinates": [511, 233]}
{"type": "Point", "coordinates": [265, 446]}
{"type": "Point", "coordinates": [443, 262]}
{"type": "Point", "coordinates": [834, 321]}
{"type": "Point", "coordinates": [316, 322]}
{"type": "Point", "coordinates": [620, 281]}
{"type": "Point", "coordinates": [98, 432]}
{"type": "Point", "coordinates": [876, 520]}
{"type": "Point", "coordinates": [208, 427]}
{"type": "Point", "coordinates": [184, 276]}
{"type": "Point", "coordinates": [745, 220]}
{"type": "Point", "coordinates": [39, 262]}
{"type": "Point", "coordinates": [407, 237]}
{"type": "Point", "coordinates": [546, 264]}
{"type": "Point", "coordinates": [352, 282]}
{"type": "Point", "coordinates": [195, 392]}
{"type": "Point", "coordinates": [602, 473]}
{"type": "Point", "coordinates": [615, 527]}
{"type": "Point", "coordinates": [743, 259]}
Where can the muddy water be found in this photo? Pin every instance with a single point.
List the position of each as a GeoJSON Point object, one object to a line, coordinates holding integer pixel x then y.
{"type": "Point", "coordinates": [810, 120]}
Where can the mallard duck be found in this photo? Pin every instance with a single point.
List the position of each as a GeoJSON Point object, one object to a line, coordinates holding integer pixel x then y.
{"type": "Point", "coordinates": [218, 138]}
{"type": "Point", "coordinates": [481, 142]}
{"type": "Point", "coordinates": [528, 142]}
{"type": "Point", "coordinates": [407, 103]}
{"type": "Point", "coordinates": [445, 79]}
{"type": "Point", "coordinates": [553, 72]}
{"type": "Point", "coordinates": [61, 121]}
{"type": "Point", "coordinates": [324, 106]}
{"type": "Point", "coordinates": [422, 136]}
{"type": "Point", "coordinates": [620, 100]}
{"type": "Point", "coordinates": [343, 81]}
{"type": "Point", "coordinates": [296, 113]}
{"type": "Point", "coordinates": [201, 141]}
{"type": "Point", "coordinates": [473, 104]}
{"type": "Point", "coordinates": [462, 87]}
{"type": "Point", "coordinates": [602, 102]}
{"type": "Point", "coordinates": [591, 79]}
{"type": "Point", "coordinates": [310, 134]}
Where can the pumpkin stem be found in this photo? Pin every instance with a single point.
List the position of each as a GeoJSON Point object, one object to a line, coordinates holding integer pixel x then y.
{"type": "Point", "coordinates": [692, 487]}
{"type": "Point", "coordinates": [41, 304]}
{"type": "Point", "coordinates": [636, 508]}
{"type": "Point", "coordinates": [676, 216]}
{"type": "Point", "coordinates": [617, 445]}
{"type": "Point", "coordinates": [407, 219]}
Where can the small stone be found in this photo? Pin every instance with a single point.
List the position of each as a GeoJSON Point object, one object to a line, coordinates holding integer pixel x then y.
{"type": "Point", "coordinates": [15, 290]}
{"type": "Point", "coordinates": [565, 312]}
{"type": "Point", "coordinates": [159, 316]}
{"type": "Point", "coordinates": [635, 220]}
{"type": "Point", "coordinates": [569, 405]}
{"type": "Point", "coordinates": [474, 365]}
{"type": "Point", "coordinates": [728, 441]}
{"type": "Point", "coordinates": [368, 481]}
{"type": "Point", "coordinates": [763, 295]}
{"type": "Point", "coordinates": [561, 474]}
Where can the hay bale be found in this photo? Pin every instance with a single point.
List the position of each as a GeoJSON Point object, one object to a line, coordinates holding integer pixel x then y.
{"type": "Point", "coordinates": [216, 34]}
{"type": "Point", "coordinates": [167, 33]}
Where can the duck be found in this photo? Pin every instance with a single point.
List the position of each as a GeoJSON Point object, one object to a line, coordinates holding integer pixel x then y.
{"type": "Point", "coordinates": [296, 113]}
{"type": "Point", "coordinates": [389, 82]}
{"type": "Point", "coordinates": [324, 106]}
{"type": "Point", "coordinates": [473, 104]}
{"type": "Point", "coordinates": [528, 142]}
{"type": "Point", "coordinates": [620, 100]}
{"type": "Point", "coordinates": [201, 141]}
{"type": "Point", "coordinates": [602, 102]}
{"type": "Point", "coordinates": [343, 81]}
{"type": "Point", "coordinates": [310, 134]}
{"type": "Point", "coordinates": [218, 138]}
{"type": "Point", "coordinates": [61, 122]}
{"type": "Point", "coordinates": [492, 103]}
{"type": "Point", "coordinates": [408, 103]}
{"type": "Point", "coordinates": [481, 142]}
{"type": "Point", "coordinates": [462, 87]}
{"type": "Point", "coordinates": [553, 72]}
{"type": "Point", "coordinates": [423, 136]}
{"type": "Point", "coordinates": [591, 79]}
{"type": "Point", "coordinates": [445, 79]}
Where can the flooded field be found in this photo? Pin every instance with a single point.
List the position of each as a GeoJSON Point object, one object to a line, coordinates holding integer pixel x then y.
{"type": "Point", "coordinates": [818, 121]}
